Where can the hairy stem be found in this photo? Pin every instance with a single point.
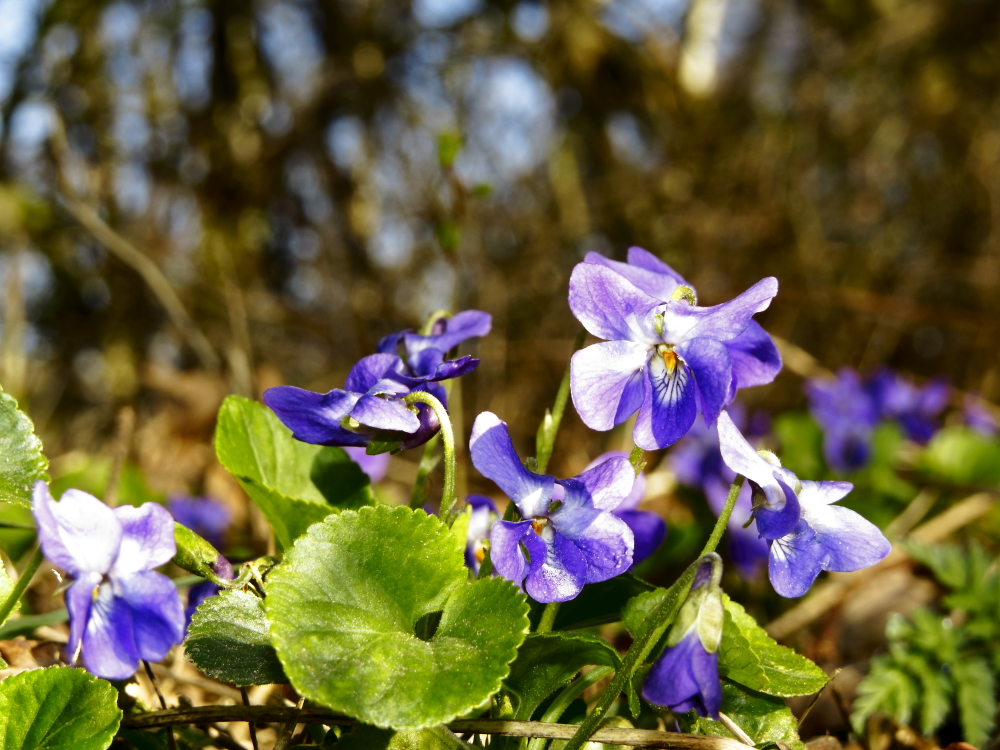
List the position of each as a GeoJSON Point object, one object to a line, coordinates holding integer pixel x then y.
{"type": "Point", "coordinates": [545, 440]}
{"type": "Point", "coordinates": [22, 584]}
{"type": "Point", "coordinates": [448, 437]}
{"type": "Point", "coordinates": [548, 617]}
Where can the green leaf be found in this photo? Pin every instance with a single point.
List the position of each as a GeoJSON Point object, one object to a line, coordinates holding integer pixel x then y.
{"type": "Point", "coordinates": [229, 640]}
{"type": "Point", "coordinates": [946, 561]}
{"type": "Point", "coordinates": [345, 604]}
{"type": "Point", "coordinates": [194, 554]}
{"type": "Point", "coordinates": [764, 718]}
{"type": "Point", "coordinates": [365, 737]}
{"type": "Point", "coordinates": [57, 709]}
{"type": "Point", "coordinates": [977, 705]}
{"type": "Point", "coordinates": [6, 587]}
{"type": "Point", "coordinates": [295, 484]}
{"type": "Point", "coordinates": [749, 656]}
{"type": "Point", "coordinates": [962, 456]}
{"type": "Point", "coordinates": [801, 441]}
{"type": "Point", "coordinates": [886, 688]}
{"type": "Point", "coordinates": [23, 463]}
{"type": "Point", "coordinates": [600, 603]}
{"type": "Point", "coordinates": [637, 610]}
{"type": "Point", "coordinates": [546, 662]}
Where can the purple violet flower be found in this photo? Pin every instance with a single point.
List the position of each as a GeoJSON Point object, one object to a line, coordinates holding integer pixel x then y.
{"type": "Point", "coordinates": [686, 676]}
{"type": "Point", "coordinates": [484, 515]}
{"type": "Point", "coordinates": [848, 412]}
{"type": "Point", "coordinates": [916, 409]}
{"type": "Point", "coordinates": [663, 355]}
{"type": "Point", "coordinates": [375, 466]}
{"type": "Point", "coordinates": [648, 529]}
{"type": "Point", "coordinates": [204, 516]}
{"type": "Point", "coordinates": [120, 609]}
{"type": "Point", "coordinates": [977, 416]}
{"type": "Point", "coordinates": [423, 357]}
{"type": "Point", "coordinates": [697, 462]}
{"type": "Point", "coordinates": [568, 536]}
{"type": "Point", "coordinates": [805, 533]}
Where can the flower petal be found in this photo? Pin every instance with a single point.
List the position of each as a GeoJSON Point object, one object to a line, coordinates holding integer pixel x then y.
{"type": "Point", "coordinates": [669, 406]}
{"type": "Point", "coordinates": [713, 373]}
{"type": "Point", "coordinates": [755, 358]}
{"type": "Point", "coordinates": [603, 486]}
{"type": "Point", "coordinates": [506, 554]}
{"type": "Point", "coordinates": [641, 258]}
{"type": "Point", "coordinates": [796, 559]}
{"type": "Point", "coordinates": [563, 570]}
{"type": "Point", "coordinates": [494, 456]}
{"type": "Point", "coordinates": [459, 327]}
{"type": "Point", "coordinates": [455, 368]}
{"type": "Point", "coordinates": [745, 461]}
{"type": "Point", "coordinates": [606, 382]}
{"type": "Point", "coordinates": [108, 646]}
{"type": "Point", "coordinates": [79, 599]}
{"type": "Point", "coordinates": [723, 322]}
{"type": "Point", "coordinates": [653, 283]}
{"type": "Point", "coordinates": [369, 370]}
{"type": "Point", "coordinates": [147, 538]}
{"type": "Point", "coordinates": [686, 677]}
{"type": "Point", "coordinates": [648, 532]}
{"type": "Point", "coordinates": [79, 533]}
{"type": "Point", "coordinates": [157, 613]}
{"type": "Point", "coordinates": [385, 414]}
{"type": "Point", "coordinates": [611, 307]}
{"type": "Point", "coordinates": [823, 492]}
{"type": "Point", "coordinates": [315, 417]}
{"type": "Point", "coordinates": [605, 540]}
{"type": "Point", "coordinates": [776, 522]}
{"type": "Point", "coordinates": [850, 541]}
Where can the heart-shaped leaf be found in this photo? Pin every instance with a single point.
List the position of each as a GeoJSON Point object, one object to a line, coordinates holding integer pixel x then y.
{"type": "Point", "coordinates": [346, 605]}
{"type": "Point", "coordinates": [229, 640]}
{"type": "Point", "coordinates": [23, 462]}
{"type": "Point", "coordinates": [749, 656]}
{"type": "Point", "coordinates": [295, 484]}
{"type": "Point", "coordinates": [547, 662]}
{"type": "Point", "coordinates": [764, 718]}
{"type": "Point", "coordinates": [57, 709]}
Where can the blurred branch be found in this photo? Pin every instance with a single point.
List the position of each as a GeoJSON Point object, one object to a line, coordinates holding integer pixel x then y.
{"type": "Point", "coordinates": [830, 594]}
{"type": "Point", "coordinates": [125, 251]}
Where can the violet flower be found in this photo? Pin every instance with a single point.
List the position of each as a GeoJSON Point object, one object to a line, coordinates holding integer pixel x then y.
{"type": "Point", "coordinates": [648, 529]}
{"type": "Point", "coordinates": [977, 416]}
{"type": "Point", "coordinates": [376, 467]}
{"type": "Point", "coordinates": [686, 676]}
{"type": "Point", "coordinates": [369, 405]}
{"type": "Point", "coordinates": [848, 412]}
{"type": "Point", "coordinates": [204, 516]}
{"type": "Point", "coordinates": [805, 533]}
{"type": "Point", "coordinates": [120, 609]}
{"type": "Point", "coordinates": [664, 356]}
{"type": "Point", "coordinates": [422, 358]}
{"type": "Point", "coordinates": [916, 409]}
{"type": "Point", "coordinates": [697, 462]}
{"type": "Point", "coordinates": [568, 536]}
{"type": "Point", "coordinates": [484, 515]}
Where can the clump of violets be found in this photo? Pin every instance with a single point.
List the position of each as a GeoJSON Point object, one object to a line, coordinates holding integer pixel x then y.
{"type": "Point", "coordinates": [917, 410]}
{"type": "Point", "coordinates": [805, 532]}
{"type": "Point", "coordinates": [846, 409]}
{"type": "Point", "coordinates": [663, 355]}
{"type": "Point", "coordinates": [371, 405]}
{"type": "Point", "coordinates": [648, 529]}
{"type": "Point", "coordinates": [568, 535]}
{"type": "Point", "coordinates": [121, 611]}
{"type": "Point", "coordinates": [697, 462]}
{"type": "Point", "coordinates": [686, 676]}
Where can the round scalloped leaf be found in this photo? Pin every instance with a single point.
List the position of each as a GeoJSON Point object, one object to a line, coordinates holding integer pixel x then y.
{"type": "Point", "coordinates": [23, 462]}
{"type": "Point", "coordinates": [57, 709]}
{"type": "Point", "coordinates": [346, 606]}
{"type": "Point", "coordinates": [229, 640]}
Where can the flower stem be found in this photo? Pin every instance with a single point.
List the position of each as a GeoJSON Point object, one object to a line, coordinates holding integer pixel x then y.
{"type": "Point", "coordinates": [22, 584]}
{"type": "Point", "coordinates": [572, 691]}
{"type": "Point", "coordinates": [448, 436]}
{"type": "Point", "coordinates": [427, 463]}
{"type": "Point", "coordinates": [545, 439]}
{"type": "Point", "coordinates": [548, 617]}
{"type": "Point", "coordinates": [658, 622]}
{"type": "Point", "coordinates": [723, 520]}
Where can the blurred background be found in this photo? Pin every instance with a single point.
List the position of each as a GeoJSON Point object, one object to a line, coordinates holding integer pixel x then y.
{"type": "Point", "coordinates": [202, 198]}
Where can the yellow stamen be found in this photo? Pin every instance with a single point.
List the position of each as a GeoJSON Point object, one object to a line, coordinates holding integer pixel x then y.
{"type": "Point", "coordinates": [538, 524]}
{"type": "Point", "coordinates": [670, 360]}
{"type": "Point", "coordinates": [95, 593]}
{"type": "Point", "coordinates": [480, 554]}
